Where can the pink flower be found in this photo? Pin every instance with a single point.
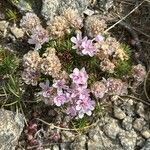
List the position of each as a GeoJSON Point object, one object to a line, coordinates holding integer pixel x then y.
{"type": "Point", "coordinates": [83, 45]}
{"type": "Point", "coordinates": [60, 84]}
{"type": "Point", "coordinates": [81, 92]}
{"type": "Point", "coordinates": [60, 99]}
{"type": "Point", "coordinates": [79, 77]}
{"type": "Point", "coordinates": [72, 111]}
{"type": "Point", "coordinates": [39, 37]}
{"type": "Point", "coordinates": [99, 38]}
{"type": "Point", "coordinates": [78, 41]}
{"type": "Point", "coordinates": [85, 107]}
{"type": "Point", "coordinates": [88, 48]}
{"type": "Point", "coordinates": [46, 89]}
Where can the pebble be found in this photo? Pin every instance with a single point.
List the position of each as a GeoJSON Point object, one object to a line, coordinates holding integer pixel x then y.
{"type": "Point", "coordinates": [146, 134]}
{"type": "Point", "coordinates": [140, 110]}
{"type": "Point", "coordinates": [127, 123]}
{"type": "Point", "coordinates": [17, 32]}
{"type": "Point", "coordinates": [138, 124]}
{"type": "Point", "coordinates": [112, 129]}
{"type": "Point", "coordinates": [128, 139]}
{"type": "Point", "coordinates": [118, 113]}
{"type": "Point", "coordinates": [146, 145]}
{"type": "Point", "coordinates": [3, 27]}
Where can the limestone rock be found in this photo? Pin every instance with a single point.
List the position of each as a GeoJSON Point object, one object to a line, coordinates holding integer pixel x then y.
{"type": "Point", "coordinates": [138, 124]}
{"type": "Point", "coordinates": [79, 143]}
{"type": "Point", "coordinates": [51, 8]}
{"type": "Point", "coordinates": [112, 129]}
{"type": "Point", "coordinates": [11, 126]}
{"type": "Point", "coordinates": [27, 6]}
{"type": "Point", "coordinates": [147, 145]}
{"type": "Point", "coordinates": [118, 113]}
{"type": "Point", "coordinates": [128, 140]}
{"type": "Point", "coordinates": [99, 141]}
{"type": "Point", "coordinates": [3, 27]}
{"type": "Point", "coordinates": [17, 32]}
{"type": "Point", "coordinates": [146, 134]}
{"type": "Point", "coordinates": [127, 123]}
{"type": "Point", "coordinates": [140, 110]}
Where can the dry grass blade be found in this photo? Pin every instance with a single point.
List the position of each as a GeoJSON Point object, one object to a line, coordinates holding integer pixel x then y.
{"type": "Point", "coordinates": [68, 129]}
{"type": "Point", "coordinates": [145, 83]}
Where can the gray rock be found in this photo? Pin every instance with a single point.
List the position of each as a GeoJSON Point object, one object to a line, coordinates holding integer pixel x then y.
{"type": "Point", "coordinates": [112, 129]}
{"type": "Point", "coordinates": [105, 5]}
{"type": "Point", "coordinates": [51, 8]}
{"type": "Point", "coordinates": [55, 147]}
{"type": "Point", "coordinates": [67, 136]}
{"type": "Point", "coordinates": [3, 27]}
{"type": "Point", "coordinates": [99, 141]}
{"type": "Point", "coordinates": [128, 139]}
{"type": "Point", "coordinates": [11, 126]}
{"type": "Point", "coordinates": [140, 110]}
{"type": "Point", "coordinates": [146, 134]}
{"type": "Point", "coordinates": [127, 123]}
{"type": "Point", "coordinates": [138, 124]}
{"type": "Point", "coordinates": [79, 143]}
{"type": "Point", "coordinates": [17, 32]}
{"type": "Point", "coordinates": [140, 141]}
{"type": "Point", "coordinates": [128, 107]}
{"type": "Point", "coordinates": [65, 146]}
{"type": "Point", "coordinates": [27, 6]}
{"type": "Point", "coordinates": [147, 145]}
{"type": "Point", "coordinates": [118, 113]}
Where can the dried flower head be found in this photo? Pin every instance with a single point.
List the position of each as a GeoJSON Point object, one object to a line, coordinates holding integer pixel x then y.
{"type": "Point", "coordinates": [39, 37]}
{"type": "Point", "coordinates": [31, 76]}
{"type": "Point", "coordinates": [51, 65]}
{"type": "Point", "coordinates": [139, 72]}
{"type": "Point", "coordinates": [107, 65]}
{"type": "Point", "coordinates": [63, 75]}
{"type": "Point", "coordinates": [99, 89]}
{"type": "Point", "coordinates": [110, 48]}
{"type": "Point", "coordinates": [29, 21]}
{"type": "Point", "coordinates": [31, 60]}
{"type": "Point", "coordinates": [58, 27]}
{"type": "Point", "coordinates": [73, 18]}
{"type": "Point", "coordinates": [115, 49]}
{"type": "Point", "coordinates": [94, 25]}
{"type": "Point", "coordinates": [116, 86]}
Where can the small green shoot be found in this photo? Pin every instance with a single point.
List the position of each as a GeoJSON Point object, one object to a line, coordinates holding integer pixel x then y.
{"type": "Point", "coordinates": [81, 123]}
{"type": "Point", "coordinates": [126, 49]}
{"type": "Point", "coordinates": [14, 1]}
{"type": "Point", "coordinates": [11, 15]}
{"type": "Point", "coordinates": [12, 91]}
{"type": "Point", "coordinates": [123, 68]}
{"type": "Point", "coordinates": [8, 62]}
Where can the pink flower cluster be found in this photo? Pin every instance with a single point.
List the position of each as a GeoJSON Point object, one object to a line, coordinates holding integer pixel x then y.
{"type": "Point", "coordinates": [75, 97]}
{"type": "Point", "coordinates": [84, 46]}
{"type": "Point", "coordinates": [39, 37]}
